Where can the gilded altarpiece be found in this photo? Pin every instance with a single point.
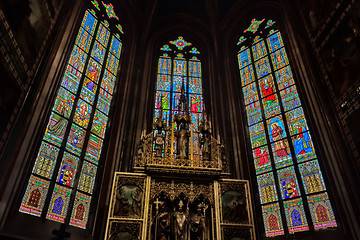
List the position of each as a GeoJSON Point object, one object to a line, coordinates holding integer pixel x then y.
{"type": "Point", "coordinates": [155, 207]}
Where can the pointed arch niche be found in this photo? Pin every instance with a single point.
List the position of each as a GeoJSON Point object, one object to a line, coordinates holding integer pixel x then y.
{"type": "Point", "coordinates": [285, 164]}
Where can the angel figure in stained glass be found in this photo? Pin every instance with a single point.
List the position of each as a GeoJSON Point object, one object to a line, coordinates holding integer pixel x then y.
{"type": "Point", "coordinates": [302, 141]}
{"type": "Point", "coordinates": [281, 147]}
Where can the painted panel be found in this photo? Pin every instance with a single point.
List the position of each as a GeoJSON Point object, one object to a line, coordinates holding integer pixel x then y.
{"type": "Point", "coordinates": [279, 59]}
{"type": "Point", "coordinates": [82, 113]}
{"type": "Point", "coordinates": [99, 124]}
{"type": "Point", "coordinates": [275, 41]}
{"type": "Point", "coordinates": [284, 78]}
{"type": "Point", "coordinates": [108, 82]}
{"type": "Point", "coordinates": [290, 98]}
{"type": "Point", "coordinates": [194, 68]}
{"type": "Point", "coordinates": [78, 59]}
{"type": "Point", "coordinates": [88, 91]}
{"type": "Point", "coordinates": [250, 93]}
{"type": "Point", "coordinates": [253, 113]}
{"type": "Point", "coordinates": [244, 58]}
{"type": "Point", "coordinates": [262, 67]}
{"type": "Point", "coordinates": [259, 50]}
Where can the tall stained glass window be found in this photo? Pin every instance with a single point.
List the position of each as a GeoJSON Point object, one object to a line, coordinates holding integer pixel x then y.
{"type": "Point", "coordinates": [292, 191]}
{"type": "Point", "coordinates": [180, 68]}
{"type": "Point", "coordinates": [61, 184]}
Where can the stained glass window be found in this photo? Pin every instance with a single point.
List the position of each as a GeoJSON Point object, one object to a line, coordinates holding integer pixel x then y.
{"type": "Point", "coordinates": [287, 169]}
{"type": "Point", "coordinates": [180, 68]}
{"type": "Point", "coordinates": [63, 178]}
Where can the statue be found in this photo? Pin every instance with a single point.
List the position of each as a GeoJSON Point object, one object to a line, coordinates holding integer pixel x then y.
{"type": "Point", "coordinates": [183, 120]}
{"type": "Point", "coordinates": [162, 222]}
{"type": "Point", "coordinates": [182, 136]}
{"type": "Point", "coordinates": [205, 137]}
{"type": "Point", "coordinates": [159, 144]}
{"type": "Point", "coordinates": [181, 221]}
{"type": "Point", "coordinates": [198, 228]}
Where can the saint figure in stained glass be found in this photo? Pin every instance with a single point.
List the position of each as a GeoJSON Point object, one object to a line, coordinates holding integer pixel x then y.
{"type": "Point", "coordinates": [262, 156]}
{"type": "Point", "coordinates": [281, 146]}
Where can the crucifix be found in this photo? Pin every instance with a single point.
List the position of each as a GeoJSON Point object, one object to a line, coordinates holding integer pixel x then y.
{"type": "Point", "coordinates": [157, 203]}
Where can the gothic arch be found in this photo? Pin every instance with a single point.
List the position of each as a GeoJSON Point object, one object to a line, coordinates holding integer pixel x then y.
{"type": "Point", "coordinates": [35, 193]}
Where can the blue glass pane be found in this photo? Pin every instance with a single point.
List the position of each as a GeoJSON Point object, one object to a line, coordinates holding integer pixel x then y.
{"type": "Point", "coordinates": [244, 58]}
{"type": "Point", "coordinates": [115, 47]}
{"type": "Point", "coordinates": [89, 22]}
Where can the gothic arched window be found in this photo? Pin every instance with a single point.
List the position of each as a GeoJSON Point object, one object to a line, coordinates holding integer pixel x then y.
{"type": "Point", "coordinates": [180, 69]}
{"type": "Point", "coordinates": [65, 169]}
{"type": "Point", "coordinates": [286, 165]}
